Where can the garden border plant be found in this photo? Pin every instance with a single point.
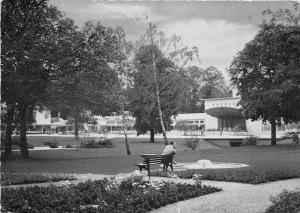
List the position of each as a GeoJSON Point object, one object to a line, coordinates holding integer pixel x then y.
{"type": "Point", "coordinates": [132, 194]}
{"type": "Point", "coordinates": [286, 201]}
{"type": "Point", "coordinates": [251, 175]}
{"type": "Point", "coordinates": [14, 178]}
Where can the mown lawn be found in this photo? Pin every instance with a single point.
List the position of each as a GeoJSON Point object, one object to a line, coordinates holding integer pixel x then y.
{"type": "Point", "coordinates": [114, 160]}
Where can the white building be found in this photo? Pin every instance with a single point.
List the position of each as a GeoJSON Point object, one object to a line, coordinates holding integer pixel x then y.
{"type": "Point", "coordinates": [46, 121]}
{"type": "Point", "coordinates": [229, 118]}
{"type": "Point", "coordinates": [194, 122]}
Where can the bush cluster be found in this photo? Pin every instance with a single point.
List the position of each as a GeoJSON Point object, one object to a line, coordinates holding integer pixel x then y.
{"type": "Point", "coordinates": [108, 195]}
{"type": "Point", "coordinates": [93, 143]}
{"type": "Point", "coordinates": [15, 143]}
{"type": "Point", "coordinates": [51, 144]}
{"type": "Point", "coordinates": [192, 143]}
{"type": "Point", "coordinates": [250, 175]}
{"type": "Point", "coordinates": [251, 141]}
{"type": "Point", "coordinates": [285, 202]}
{"type": "Point", "coordinates": [27, 178]}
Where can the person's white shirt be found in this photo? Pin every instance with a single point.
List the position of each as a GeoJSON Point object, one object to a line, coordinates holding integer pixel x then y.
{"type": "Point", "coordinates": [169, 149]}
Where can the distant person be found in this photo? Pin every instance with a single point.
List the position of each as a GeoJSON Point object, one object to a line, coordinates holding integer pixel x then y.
{"type": "Point", "coordinates": [295, 139]}
{"type": "Point", "coordinates": [169, 149]}
{"type": "Point", "coordinates": [201, 131]}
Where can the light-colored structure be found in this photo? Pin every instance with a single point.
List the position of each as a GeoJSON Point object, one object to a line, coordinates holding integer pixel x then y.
{"type": "Point", "coordinates": [230, 119]}
{"type": "Point", "coordinates": [45, 123]}
{"type": "Point", "coordinates": [194, 122]}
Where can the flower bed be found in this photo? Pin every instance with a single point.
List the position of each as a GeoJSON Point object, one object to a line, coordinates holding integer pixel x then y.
{"type": "Point", "coordinates": [285, 202]}
{"type": "Point", "coordinates": [132, 194]}
{"type": "Point", "coordinates": [28, 178]}
{"type": "Point", "coordinates": [250, 175]}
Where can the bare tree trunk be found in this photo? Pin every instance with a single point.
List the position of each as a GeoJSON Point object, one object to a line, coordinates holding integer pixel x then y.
{"type": "Point", "coordinates": [157, 90]}
{"type": "Point", "coordinates": [23, 130]}
{"type": "Point", "coordinates": [76, 132]}
{"type": "Point", "coordinates": [125, 133]}
{"type": "Point", "coordinates": [273, 133]}
{"type": "Point", "coordinates": [151, 135]}
{"type": "Point", "coordinates": [9, 129]}
{"type": "Point", "coordinates": [126, 141]}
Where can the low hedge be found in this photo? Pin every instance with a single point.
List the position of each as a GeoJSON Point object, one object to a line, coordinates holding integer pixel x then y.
{"type": "Point", "coordinates": [250, 175]}
{"type": "Point", "coordinates": [102, 143]}
{"type": "Point", "coordinates": [28, 178]}
{"type": "Point", "coordinates": [108, 195]}
{"type": "Point", "coordinates": [288, 202]}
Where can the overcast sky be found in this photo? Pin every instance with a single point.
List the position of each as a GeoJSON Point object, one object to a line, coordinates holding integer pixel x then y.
{"type": "Point", "coordinates": [219, 29]}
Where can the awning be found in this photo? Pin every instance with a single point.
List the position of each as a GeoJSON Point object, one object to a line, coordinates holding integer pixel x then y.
{"type": "Point", "coordinates": [224, 112]}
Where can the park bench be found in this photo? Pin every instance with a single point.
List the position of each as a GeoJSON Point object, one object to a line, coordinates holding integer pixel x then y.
{"type": "Point", "coordinates": [156, 159]}
{"type": "Point", "coordinates": [236, 142]}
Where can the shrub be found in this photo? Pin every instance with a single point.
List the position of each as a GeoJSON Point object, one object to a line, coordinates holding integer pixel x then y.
{"type": "Point", "coordinates": [27, 178]}
{"type": "Point", "coordinates": [285, 202]}
{"type": "Point", "coordinates": [250, 175]}
{"type": "Point", "coordinates": [68, 146]}
{"type": "Point", "coordinates": [51, 144]}
{"type": "Point", "coordinates": [251, 141]}
{"type": "Point", "coordinates": [192, 142]}
{"type": "Point", "coordinates": [15, 143]}
{"type": "Point", "coordinates": [102, 143]}
{"type": "Point", "coordinates": [107, 195]}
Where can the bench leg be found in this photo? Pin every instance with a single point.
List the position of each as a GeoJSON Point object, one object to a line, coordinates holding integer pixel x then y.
{"type": "Point", "coordinates": [171, 165]}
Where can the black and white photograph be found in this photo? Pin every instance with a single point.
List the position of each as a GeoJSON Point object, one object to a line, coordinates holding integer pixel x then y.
{"type": "Point", "coordinates": [150, 106]}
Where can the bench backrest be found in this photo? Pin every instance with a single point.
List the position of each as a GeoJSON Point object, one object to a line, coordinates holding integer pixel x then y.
{"type": "Point", "coordinates": [158, 159]}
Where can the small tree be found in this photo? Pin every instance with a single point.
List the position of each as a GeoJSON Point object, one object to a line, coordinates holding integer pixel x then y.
{"type": "Point", "coordinates": [124, 67]}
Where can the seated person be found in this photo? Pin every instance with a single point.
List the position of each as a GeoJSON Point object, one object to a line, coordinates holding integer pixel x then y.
{"type": "Point", "coordinates": [169, 149]}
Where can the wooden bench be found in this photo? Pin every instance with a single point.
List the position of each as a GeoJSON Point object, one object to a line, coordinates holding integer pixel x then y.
{"type": "Point", "coordinates": [154, 159]}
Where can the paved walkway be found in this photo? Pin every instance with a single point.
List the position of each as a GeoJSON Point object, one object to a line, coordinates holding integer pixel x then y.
{"type": "Point", "coordinates": [235, 197]}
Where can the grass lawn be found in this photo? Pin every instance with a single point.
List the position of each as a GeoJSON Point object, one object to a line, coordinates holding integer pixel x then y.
{"type": "Point", "coordinates": [114, 160]}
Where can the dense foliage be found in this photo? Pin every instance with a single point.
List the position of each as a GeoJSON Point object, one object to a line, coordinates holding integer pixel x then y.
{"type": "Point", "coordinates": [197, 84]}
{"type": "Point", "coordinates": [27, 178]}
{"type": "Point", "coordinates": [266, 73]}
{"type": "Point", "coordinates": [108, 195]}
{"type": "Point", "coordinates": [28, 32]}
{"type": "Point", "coordinates": [143, 99]}
{"type": "Point", "coordinates": [288, 202]}
{"type": "Point", "coordinates": [250, 175]}
{"type": "Point", "coordinates": [97, 143]}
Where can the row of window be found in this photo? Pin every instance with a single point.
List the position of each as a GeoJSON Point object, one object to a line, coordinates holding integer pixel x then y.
{"type": "Point", "coordinates": [225, 104]}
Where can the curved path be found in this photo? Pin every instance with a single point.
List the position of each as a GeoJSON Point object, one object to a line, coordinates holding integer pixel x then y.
{"type": "Point", "coordinates": [235, 198]}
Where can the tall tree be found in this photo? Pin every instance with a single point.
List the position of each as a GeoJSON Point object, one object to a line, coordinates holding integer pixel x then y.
{"type": "Point", "coordinates": [143, 94]}
{"type": "Point", "coordinates": [85, 81]}
{"type": "Point", "coordinates": [266, 73]}
{"type": "Point", "coordinates": [198, 84]}
{"type": "Point", "coordinates": [124, 67]}
{"type": "Point", "coordinates": [172, 49]}
{"type": "Point", "coordinates": [27, 30]}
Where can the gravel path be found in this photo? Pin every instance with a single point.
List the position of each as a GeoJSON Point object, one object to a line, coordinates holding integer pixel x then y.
{"type": "Point", "coordinates": [235, 198]}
